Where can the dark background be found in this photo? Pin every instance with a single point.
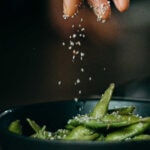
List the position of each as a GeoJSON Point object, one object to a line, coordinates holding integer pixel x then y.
{"type": "Point", "coordinates": [32, 60]}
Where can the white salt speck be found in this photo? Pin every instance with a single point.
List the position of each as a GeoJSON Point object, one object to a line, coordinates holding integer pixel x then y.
{"type": "Point", "coordinates": [78, 43]}
{"type": "Point", "coordinates": [83, 29]}
{"type": "Point", "coordinates": [76, 99]}
{"type": "Point", "coordinates": [79, 25]}
{"type": "Point", "coordinates": [71, 43]}
{"type": "Point", "coordinates": [77, 52]}
{"type": "Point", "coordinates": [104, 69]}
{"type": "Point", "coordinates": [70, 36]}
{"type": "Point", "coordinates": [78, 80]}
{"type": "Point", "coordinates": [80, 91]}
{"type": "Point", "coordinates": [73, 60]}
{"type": "Point", "coordinates": [83, 35]}
{"type": "Point", "coordinates": [74, 35]}
{"type": "Point", "coordinates": [59, 82]}
{"type": "Point", "coordinates": [82, 69]}
{"type": "Point", "coordinates": [90, 78]}
{"type": "Point", "coordinates": [82, 54]}
{"type": "Point", "coordinates": [81, 20]}
{"type": "Point", "coordinates": [80, 35]}
{"type": "Point", "coordinates": [63, 43]}
{"type": "Point", "coordinates": [73, 26]}
{"type": "Point", "coordinates": [70, 47]}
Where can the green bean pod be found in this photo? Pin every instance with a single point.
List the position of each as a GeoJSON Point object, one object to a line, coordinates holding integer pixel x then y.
{"type": "Point", "coordinates": [81, 133]}
{"type": "Point", "coordinates": [129, 131]}
{"type": "Point", "coordinates": [15, 127]}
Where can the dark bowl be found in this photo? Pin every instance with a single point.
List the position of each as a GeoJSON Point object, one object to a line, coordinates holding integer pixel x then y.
{"type": "Point", "coordinates": [55, 115]}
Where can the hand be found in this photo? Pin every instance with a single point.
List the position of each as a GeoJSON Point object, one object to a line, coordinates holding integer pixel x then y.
{"type": "Point", "coordinates": [101, 8]}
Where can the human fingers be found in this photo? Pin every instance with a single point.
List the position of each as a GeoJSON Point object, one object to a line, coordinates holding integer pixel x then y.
{"type": "Point", "coordinates": [122, 5]}
{"type": "Point", "coordinates": [101, 9]}
{"type": "Point", "coordinates": [70, 7]}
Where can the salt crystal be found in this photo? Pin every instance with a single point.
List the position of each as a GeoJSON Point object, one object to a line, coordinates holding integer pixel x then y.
{"type": "Point", "coordinates": [73, 26]}
{"type": "Point", "coordinates": [83, 29]}
{"type": "Point", "coordinates": [70, 47]}
{"type": "Point", "coordinates": [82, 54]}
{"type": "Point", "coordinates": [90, 78]}
{"type": "Point", "coordinates": [79, 25]}
{"type": "Point", "coordinates": [80, 91]}
{"type": "Point", "coordinates": [81, 19]}
{"type": "Point", "coordinates": [74, 35]}
{"type": "Point", "coordinates": [78, 80]}
{"type": "Point", "coordinates": [59, 82]}
{"type": "Point", "coordinates": [71, 43]}
{"type": "Point", "coordinates": [63, 43]}
{"type": "Point", "coordinates": [82, 69]}
{"type": "Point", "coordinates": [76, 99]}
{"type": "Point", "coordinates": [78, 43]}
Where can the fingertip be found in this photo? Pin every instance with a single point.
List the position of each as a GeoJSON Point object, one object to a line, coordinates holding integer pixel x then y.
{"type": "Point", "coordinates": [70, 7]}
{"type": "Point", "coordinates": [122, 5]}
{"type": "Point", "coordinates": [101, 9]}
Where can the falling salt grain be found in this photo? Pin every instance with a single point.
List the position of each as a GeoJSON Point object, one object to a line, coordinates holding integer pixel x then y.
{"type": "Point", "coordinates": [82, 54]}
{"type": "Point", "coordinates": [79, 25]}
{"type": "Point", "coordinates": [78, 43]}
{"type": "Point", "coordinates": [71, 43]}
{"type": "Point", "coordinates": [59, 82]}
{"type": "Point", "coordinates": [90, 78]}
{"type": "Point", "coordinates": [81, 20]}
{"type": "Point", "coordinates": [70, 47]}
{"type": "Point", "coordinates": [78, 81]}
{"type": "Point", "coordinates": [82, 69]}
{"type": "Point", "coordinates": [63, 43]}
{"type": "Point", "coordinates": [80, 91]}
{"type": "Point", "coordinates": [73, 26]}
{"type": "Point", "coordinates": [74, 35]}
{"type": "Point", "coordinates": [76, 99]}
{"type": "Point", "coordinates": [83, 29]}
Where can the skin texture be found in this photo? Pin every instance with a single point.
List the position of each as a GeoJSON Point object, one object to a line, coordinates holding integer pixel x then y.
{"type": "Point", "coordinates": [101, 8]}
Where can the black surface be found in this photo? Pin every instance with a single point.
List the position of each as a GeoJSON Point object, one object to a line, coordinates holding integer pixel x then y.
{"type": "Point", "coordinates": [55, 115]}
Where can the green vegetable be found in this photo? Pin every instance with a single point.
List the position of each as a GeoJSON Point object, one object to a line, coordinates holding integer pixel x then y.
{"type": "Point", "coordinates": [123, 111]}
{"type": "Point", "coordinates": [101, 107]}
{"type": "Point", "coordinates": [15, 127]}
{"type": "Point", "coordinates": [82, 133]}
{"type": "Point", "coordinates": [129, 131]}
{"type": "Point", "coordinates": [101, 124]}
{"type": "Point", "coordinates": [40, 132]}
